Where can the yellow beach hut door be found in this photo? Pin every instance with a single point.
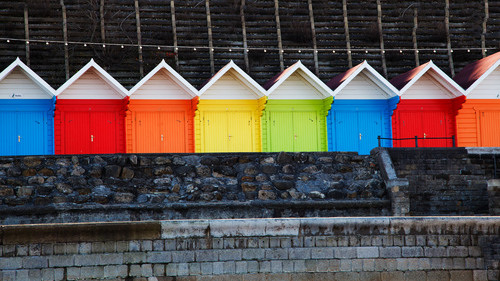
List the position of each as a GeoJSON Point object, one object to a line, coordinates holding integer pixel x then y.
{"type": "Point", "coordinates": [228, 131]}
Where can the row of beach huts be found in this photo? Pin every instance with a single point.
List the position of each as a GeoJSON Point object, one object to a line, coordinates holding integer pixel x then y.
{"type": "Point", "coordinates": [294, 111]}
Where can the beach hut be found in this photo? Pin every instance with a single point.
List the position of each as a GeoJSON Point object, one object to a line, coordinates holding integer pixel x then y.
{"type": "Point", "coordinates": [90, 113]}
{"type": "Point", "coordinates": [228, 117]}
{"type": "Point", "coordinates": [364, 103]}
{"type": "Point", "coordinates": [26, 112]}
{"type": "Point", "coordinates": [295, 115]}
{"type": "Point", "coordinates": [478, 120]}
{"type": "Point", "coordinates": [428, 107]}
{"type": "Point", "coordinates": [160, 116]}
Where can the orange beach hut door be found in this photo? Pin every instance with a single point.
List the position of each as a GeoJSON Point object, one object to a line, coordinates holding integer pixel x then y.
{"type": "Point", "coordinates": [165, 131]}
{"type": "Point", "coordinates": [489, 128]}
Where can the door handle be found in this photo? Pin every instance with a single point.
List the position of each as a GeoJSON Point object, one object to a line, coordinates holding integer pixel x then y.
{"type": "Point", "coordinates": [425, 135]}
{"type": "Point", "coordinates": [91, 138]}
{"type": "Point", "coordinates": [229, 137]}
{"type": "Point", "coordinates": [295, 136]}
{"type": "Point", "coordinates": [161, 137]}
{"type": "Point", "coordinates": [18, 138]}
{"type": "Point", "coordinates": [360, 135]}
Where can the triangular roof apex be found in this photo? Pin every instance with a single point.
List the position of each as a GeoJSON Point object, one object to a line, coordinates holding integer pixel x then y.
{"type": "Point", "coordinates": [30, 73]}
{"type": "Point", "coordinates": [101, 72]}
{"type": "Point", "coordinates": [179, 79]}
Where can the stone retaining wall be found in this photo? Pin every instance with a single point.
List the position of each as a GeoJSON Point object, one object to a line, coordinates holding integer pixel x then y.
{"type": "Point", "coordinates": [384, 248]}
{"type": "Point", "coordinates": [40, 189]}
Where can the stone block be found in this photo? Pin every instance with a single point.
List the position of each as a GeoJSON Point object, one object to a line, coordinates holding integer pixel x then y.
{"type": "Point", "coordinates": [392, 276]}
{"type": "Point", "coordinates": [194, 268]}
{"type": "Point", "coordinates": [368, 252]}
{"type": "Point", "coordinates": [321, 253]}
{"type": "Point", "coordinates": [479, 275]}
{"type": "Point", "coordinates": [183, 256]}
{"type": "Point", "coordinates": [255, 254]}
{"type": "Point", "coordinates": [345, 253]}
{"type": "Point", "coordinates": [207, 255]}
{"type": "Point", "coordinates": [412, 252]}
{"type": "Point", "coordinates": [276, 266]}
{"type": "Point", "coordinates": [229, 267]}
{"type": "Point", "coordinates": [371, 276]}
{"type": "Point", "coordinates": [11, 263]}
{"type": "Point", "coordinates": [34, 274]}
{"type": "Point", "coordinates": [134, 257]}
{"type": "Point", "coordinates": [241, 267]}
{"type": "Point", "coordinates": [438, 275]}
{"type": "Point", "coordinates": [276, 254]}
{"type": "Point", "coordinates": [347, 276]}
{"type": "Point", "coordinates": [461, 275]}
{"type": "Point", "coordinates": [73, 273]}
{"type": "Point", "coordinates": [458, 251]}
{"type": "Point", "coordinates": [158, 270]}
{"type": "Point", "coordinates": [35, 262]}
{"type": "Point", "coordinates": [230, 255]}
{"type": "Point", "coordinates": [61, 261]}
{"type": "Point", "coordinates": [115, 271]}
{"type": "Point", "coordinates": [345, 265]}
{"type": "Point", "coordinates": [432, 252]}
{"type": "Point", "coordinates": [218, 268]}
{"type": "Point", "coordinates": [92, 272]}
{"type": "Point", "coordinates": [86, 260]}
{"type": "Point", "coordinates": [182, 269]}
{"type": "Point", "coordinates": [310, 265]}
{"type": "Point", "coordinates": [47, 274]}
{"type": "Point", "coordinates": [159, 257]}
{"type": "Point", "coordinates": [206, 268]}
{"type": "Point", "coordinates": [115, 258]}
{"type": "Point", "coordinates": [357, 265]}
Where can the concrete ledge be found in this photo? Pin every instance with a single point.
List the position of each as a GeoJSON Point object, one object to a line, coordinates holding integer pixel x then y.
{"type": "Point", "coordinates": [293, 227]}
{"type": "Point", "coordinates": [483, 150]}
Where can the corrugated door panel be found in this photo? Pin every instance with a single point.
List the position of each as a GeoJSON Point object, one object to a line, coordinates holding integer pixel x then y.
{"type": "Point", "coordinates": [31, 133]}
{"type": "Point", "coordinates": [8, 133]}
{"type": "Point", "coordinates": [346, 131]}
{"type": "Point", "coordinates": [77, 133]}
{"type": "Point", "coordinates": [103, 131]}
{"type": "Point", "coordinates": [410, 125]}
{"type": "Point", "coordinates": [240, 131]}
{"type": "Point", "coordinates": [173, 132]}
{"type": "Point", "coordinates": [148, 132]}
{"type": "Point", "coordinates": [281, 131]}
{"type": "Point", "coordinates": [489, 128]}
{"type": "Point", "coordinates": [434, 126]}
{"type": "Point", "coordinates": [370, 126]}
{"type": "Point", "coordinates": [215, 134]}
{"type": "Point", "coordinates": [305, 126]}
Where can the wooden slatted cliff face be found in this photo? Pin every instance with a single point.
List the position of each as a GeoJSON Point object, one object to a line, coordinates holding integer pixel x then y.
{"type": "Point", "coordinates": [229, 112]}
{"type": "Point", "coordinates": [261, 36]}
{"type": "Point", "coordinates": [364, 103]}
{"type": "Point", "coordinates": [478, 120]}
{"type": "Point", "coordinates": [295, 115]}
{"type": "Point", "coordinates": [90, 113]}
{"type": "Point", "coordinates": [428, 107]}
{"type": "Point", "coordinates": [160, 116]}
{"type": "Point", "coordinates": [26, 112]}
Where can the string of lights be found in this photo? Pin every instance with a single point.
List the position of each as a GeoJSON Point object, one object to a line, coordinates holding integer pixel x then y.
{"type": "Point", "coordinates": [248, 49]}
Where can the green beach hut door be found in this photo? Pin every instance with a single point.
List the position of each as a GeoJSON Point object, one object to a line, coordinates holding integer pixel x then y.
{"type": "Point", "coordinates": [294, 131]}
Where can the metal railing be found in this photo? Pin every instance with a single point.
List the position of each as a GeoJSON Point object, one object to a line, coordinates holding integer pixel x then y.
{"type": "Point", "coordinates": [416, 138]}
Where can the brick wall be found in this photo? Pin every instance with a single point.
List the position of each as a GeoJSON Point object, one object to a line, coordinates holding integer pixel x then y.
{"type": "Point", "coordinates": [451, 181]}
{"type": "Point", "coordinates": [436, 248]}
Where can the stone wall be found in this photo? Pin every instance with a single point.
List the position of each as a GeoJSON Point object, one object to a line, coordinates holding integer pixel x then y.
{"type": "Point", "coordinates": [425, 248]}
{"type": "Point", "coordinates": [128, 187]}
{"type": "Point", "coordinates": [448, 181]}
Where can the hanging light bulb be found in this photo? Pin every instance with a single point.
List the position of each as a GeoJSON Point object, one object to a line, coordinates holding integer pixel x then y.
{"type": "Point", "coordinates": [123, 46]}
{"type": "Point", "coordinates": [47, 43]}
{"type": "Point", "coordinates": [194, 49]}
{"type": "Point", "coordinates": [85, 45]}
{"type": "Point", "coordinates": [333, 51]}
{"type": "Point", "coordinates": [158, 47]}
{"type": "Point", "coordinates": [104, 46]}
{"type": "Point", "coordinates": [8, 41]}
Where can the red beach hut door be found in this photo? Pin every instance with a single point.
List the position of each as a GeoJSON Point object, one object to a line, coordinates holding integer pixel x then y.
{"type": "Point", "coordinates": [423, 124]}
{"type": "Point", "coordinates": [77, 132]}
{"type": "Point", "coordinates": [102, 132]}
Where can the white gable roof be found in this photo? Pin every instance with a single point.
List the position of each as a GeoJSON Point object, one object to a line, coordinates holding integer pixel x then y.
{"type": "Point", "coordinates": [371, 74]}
{"type": "Point", "coordinates": [436, 74]}
{"type": "Point", "coordinates": [299, 69]}
{"type": "Point", "coordinates": [44, 86]}
{"type": "Point", "coordinates": [239, 74]}
{"type": "Point", "coordinates": [108, 79]}
{"type": "Point", "coordinates": [172, 74]}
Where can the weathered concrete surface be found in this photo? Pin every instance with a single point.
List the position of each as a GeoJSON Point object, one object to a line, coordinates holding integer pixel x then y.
{"type": "Point", "coordinates": [381, 248]}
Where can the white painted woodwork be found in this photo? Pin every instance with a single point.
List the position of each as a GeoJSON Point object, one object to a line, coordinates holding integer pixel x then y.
{"type": "Point", "coordinates": [90, 86]}
{"type": "Point", "coordinates": [295, 87]}
{"type": "Point", "coordinates": [361, 88]}
{"type": "Point", "coordinates": [489, 88]}
{"type": "Point", "coordinates": [228, 87]}
{"type": "Point", "coordinates": [161, 87]}
{"type": "Point", "coordinates": [426, 88]}
{"type": "Point", "coordinates": [17, 82]}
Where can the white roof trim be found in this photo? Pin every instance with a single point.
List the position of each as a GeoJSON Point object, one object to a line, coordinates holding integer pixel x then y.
{"type": "Point", "coordinates": [441, 77]}
{"type": "Point", "coordinates": [101, 72]}
{"type": "Point", "coordinates": [307, 75]}
{"type": "Point", "coordinates": [480, 79]}
{"type": "Point", "coordinates": [30, 73]}
{"type": "Point", "coordinates": [378, 79]}
{"type": "Point", "coordinates": [240, 74]}
{"type": "Point", "coordinates": [173, 74]}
